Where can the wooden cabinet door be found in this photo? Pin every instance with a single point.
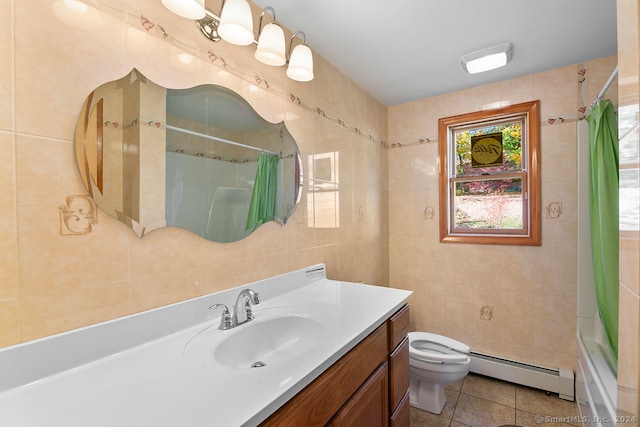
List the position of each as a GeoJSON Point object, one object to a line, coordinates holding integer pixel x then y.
{"type": "Point", "coordinates": [318, 403]}
{"type": "Point", "coordinates": [369, 405]}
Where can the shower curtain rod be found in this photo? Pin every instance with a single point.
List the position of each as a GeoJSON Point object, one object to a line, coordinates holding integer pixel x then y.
{"type": "Point", "coordinates": [225, 141]}
{"type": "Point", "coordinates": [606, 86]}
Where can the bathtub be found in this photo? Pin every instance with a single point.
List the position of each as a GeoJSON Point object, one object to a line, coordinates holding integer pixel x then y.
{"type": "Point", "coordinates": [596, 383]}
{"type": "Point", "coordinates": [596, 378]}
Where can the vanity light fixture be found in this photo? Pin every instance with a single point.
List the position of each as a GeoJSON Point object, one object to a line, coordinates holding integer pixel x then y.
{"type": "Point", "coordinates": [235, 26]}
{"type": "Point", "coordinates": [270, 49]}
{"type": "Point", "coordinates": [236, 23]}
{"type": "Point", "coordinates": [488, 58]}
{"type": "Point", "coordinates": [300, 60]}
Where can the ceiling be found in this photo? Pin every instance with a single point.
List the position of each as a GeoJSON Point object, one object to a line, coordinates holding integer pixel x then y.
{"type": "Point", "coordinates": [403, 50]}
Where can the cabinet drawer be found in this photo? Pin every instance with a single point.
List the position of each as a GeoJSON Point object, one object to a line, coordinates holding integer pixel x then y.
{"type": "Point", "coordinates": [398, 374]}
{"type": "Point", "coordinates": [402, 416]}
{"type": "Point", "coordinates": [398, 326]}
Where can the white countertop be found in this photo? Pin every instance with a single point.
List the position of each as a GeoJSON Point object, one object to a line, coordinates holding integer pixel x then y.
{"type": "Point", "coordinates": [139, 370]}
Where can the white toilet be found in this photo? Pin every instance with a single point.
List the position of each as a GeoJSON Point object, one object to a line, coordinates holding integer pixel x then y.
{"type": "Point", "coordinates": [434, 361]}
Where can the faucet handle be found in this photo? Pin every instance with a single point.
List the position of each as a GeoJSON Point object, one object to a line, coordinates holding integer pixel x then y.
{"type": "Point", "coordinates": [225, 320]}
{"type": "Point", "coordinates": [251, 295]}
{"type": "Point", "coordinates": [254, 298]}
{"type": "Point", "coordinates": [248, 311]}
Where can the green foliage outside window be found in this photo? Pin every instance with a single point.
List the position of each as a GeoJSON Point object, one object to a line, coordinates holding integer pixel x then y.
{"type": "Point", "coordinates": [512, 154]}
{"type": "Point", "coordinates": [511, 145]}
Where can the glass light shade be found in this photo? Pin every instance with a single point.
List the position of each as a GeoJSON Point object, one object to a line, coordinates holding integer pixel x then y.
{"type": "Point", "coordinates": [487, 63]}
{"type": "Point", "coordinates": [190, 9]}
{"type": "Point", "coordinates": [301, 64]}
{"type": "Point", "coordinates": [487, 59]}
{"type": "Point", "coordinates": [236, 23]}
{"type": "Point", "coordinates": [271, 48]}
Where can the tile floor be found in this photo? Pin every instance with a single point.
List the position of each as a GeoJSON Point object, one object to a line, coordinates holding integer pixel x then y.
{"type": "Point", "coordinates": [479, 401]}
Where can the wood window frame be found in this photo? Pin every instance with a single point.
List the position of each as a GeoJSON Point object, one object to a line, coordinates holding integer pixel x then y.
{"type": "Point", "coordinates": [531, 233]}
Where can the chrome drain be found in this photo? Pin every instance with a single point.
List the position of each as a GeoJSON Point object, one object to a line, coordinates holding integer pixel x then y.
{"type": "Point", "coordinates": [258, 364]}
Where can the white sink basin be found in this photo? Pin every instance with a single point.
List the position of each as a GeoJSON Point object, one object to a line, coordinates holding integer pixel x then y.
{"type": "Point", "coordinates": [259, 343]}
{"type": "Point", "coordinates": [268, 342]}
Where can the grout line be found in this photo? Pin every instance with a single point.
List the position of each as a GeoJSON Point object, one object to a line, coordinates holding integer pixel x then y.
{"type": "Point", "coordinates": [515, 408]}
{"type": "Point", "coordinates": [488, 400]}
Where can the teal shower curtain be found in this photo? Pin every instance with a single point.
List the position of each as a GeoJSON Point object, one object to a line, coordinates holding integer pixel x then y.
{"type": "Point", "coordinates": [263, 200]}
{"type": "Point", "coordinates": [603, 150]}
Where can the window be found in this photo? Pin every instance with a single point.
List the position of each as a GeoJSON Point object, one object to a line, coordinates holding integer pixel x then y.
{"type": "Point", "coordinates": [490, 176]}
{"type": "Point", "coordinates": [323, 198]}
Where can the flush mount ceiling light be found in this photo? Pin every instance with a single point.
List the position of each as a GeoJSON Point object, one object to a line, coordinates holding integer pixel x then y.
{"type": "Point", "coordinates": [235, 26]}
{"type": "Point", "coordinates": [487, 59]}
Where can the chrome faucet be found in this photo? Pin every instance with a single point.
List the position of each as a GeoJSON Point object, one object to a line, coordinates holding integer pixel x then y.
{"type": "Point", "coordinates": [244, 300]}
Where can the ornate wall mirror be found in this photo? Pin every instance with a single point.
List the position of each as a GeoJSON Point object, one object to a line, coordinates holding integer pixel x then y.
{"type": "Point", "coordinates": [201, 159]}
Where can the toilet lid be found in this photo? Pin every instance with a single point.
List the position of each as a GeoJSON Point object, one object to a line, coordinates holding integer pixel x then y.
{"type": "Point", "coordinates": [437, 348]}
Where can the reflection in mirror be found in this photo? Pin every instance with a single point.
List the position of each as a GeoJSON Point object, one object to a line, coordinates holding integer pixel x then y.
{"type": "Point", "coordinates": [201, 159]}
{"type": "Point", "coordinates": [323, 196]}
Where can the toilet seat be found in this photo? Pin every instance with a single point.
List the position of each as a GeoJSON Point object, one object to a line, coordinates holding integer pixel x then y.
{"type": "Point", "coordinates": [436, 348]}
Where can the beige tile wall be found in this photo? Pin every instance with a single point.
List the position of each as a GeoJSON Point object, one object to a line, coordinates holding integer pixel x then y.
{"type": "Point", "coordinates": [51, 283]}
{"type": "Point", "coordinates": [531, 290]}
{"type": "Point", "coordinates": [50, 60]}
{"type": "Point", "coordinates": [629, 130]}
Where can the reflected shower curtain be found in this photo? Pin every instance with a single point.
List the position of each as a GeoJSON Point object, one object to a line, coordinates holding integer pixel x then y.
{"type": "Point", "coordinates": [603, 200]}
{"type": "Point", "coordinates": [263, 200]}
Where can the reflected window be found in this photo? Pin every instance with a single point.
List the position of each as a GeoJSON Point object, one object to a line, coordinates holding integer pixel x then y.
{"type": "Point", "coordinates": [629, 160]}
{"type": "Point", "coordinates": [629, 199]}
{"type": "Point", "coordinates": [323, 197]}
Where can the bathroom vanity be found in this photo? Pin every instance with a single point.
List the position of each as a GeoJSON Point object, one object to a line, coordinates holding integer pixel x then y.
{"type": "Point", "coordinates": [369, 386]}
{"type": "Point", "coordinates": [318, 352]}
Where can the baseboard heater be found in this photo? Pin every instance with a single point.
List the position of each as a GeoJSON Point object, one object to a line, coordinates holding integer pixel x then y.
{"type": "Point", "coordinates": [561, 380]}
